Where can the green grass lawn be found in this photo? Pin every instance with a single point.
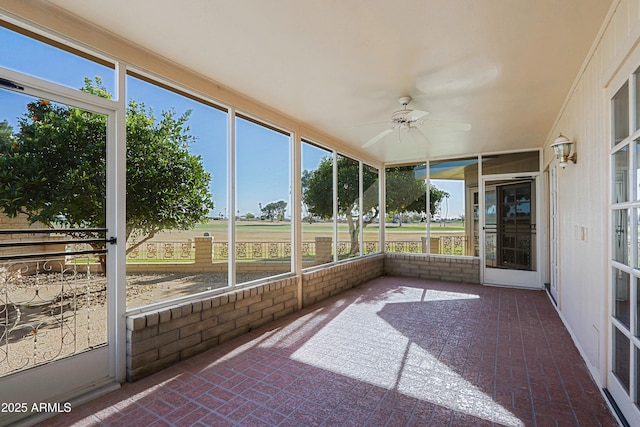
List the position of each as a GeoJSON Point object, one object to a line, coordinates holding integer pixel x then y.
{"type": "Point", "coordinates": [258, 226]}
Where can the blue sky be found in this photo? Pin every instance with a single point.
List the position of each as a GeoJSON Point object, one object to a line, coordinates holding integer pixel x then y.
{"type": "Point", "coordinates": [262, 154]}
{"type": "Point", "coordinates": [452, 207]}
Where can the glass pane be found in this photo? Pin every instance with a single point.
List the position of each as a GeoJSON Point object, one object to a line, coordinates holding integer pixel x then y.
{"type": "Point", "coordinates": [511, 163]}
{"type": "Point", "coordinates": [621, 296]}
{"type": "Point", "coordinates": [317, 205]}
{"type": "Point", "coordinates": [620, 106]}
{"type": "Point", "coordinates": [510, 224]}
{"type": "Point", "coordinates": [451, 181]}
{"type": "Point", "coordinates": [51, 63]}
{"type": "Point", "coordinates": [371, 207]}
{"type": "Point", "coordinates": [348, 203]}
{"type": "Point", "coordinates": [405, 227]}
{"type": "Point", "coordinates": [637, 98]}
{"type": "Point", "coordinates": [515, 220]}
{"type": "Point", "coordinates": [475, 231]}
{"type": "Point", "coordinates": [53, 178]}
{"type": "Point", "coordinates": [637, 154]}
{"type": "Point", "coordinates": [491, 226]}
{"type": "Point", "coordinates": [637, 212]}
{"type": "Point", "coordinates": [263, 218]}
{"type": "Point", "coordinates": [621, 171]}
{"type": "Point", "coordinates": [621, 357]}
{"type": "Point", "coordinates": [621, 242]}
{"type": "Point", "coordinates": [636, 307]}
{"type": "Point", "coordinates": [637, 376]}
{"type": "Point", "coordinates": [177, 192]}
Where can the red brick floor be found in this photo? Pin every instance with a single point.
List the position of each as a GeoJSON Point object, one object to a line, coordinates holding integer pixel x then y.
{"type": "Point", "coordinates": [393, 352]}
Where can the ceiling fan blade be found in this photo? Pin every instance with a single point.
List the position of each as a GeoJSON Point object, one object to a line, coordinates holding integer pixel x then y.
{"type": "Point", "coordinates": [461, 126]}
{"type": "Point", "coordinates": [373, 124]}
{"type": "Point", "coordinates": [377, 138]}
{"type": "Point", "coordinates": [416, 115]}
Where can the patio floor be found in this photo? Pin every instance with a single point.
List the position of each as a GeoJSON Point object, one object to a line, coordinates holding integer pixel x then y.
{"type": "Point", "coordinates": [392, 352]}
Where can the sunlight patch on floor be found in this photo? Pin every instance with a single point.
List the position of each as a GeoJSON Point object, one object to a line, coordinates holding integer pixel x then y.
{"type": "Point", "coordinates": [434, 295]}
{"type": "Point", "coordinates": [358, 343]}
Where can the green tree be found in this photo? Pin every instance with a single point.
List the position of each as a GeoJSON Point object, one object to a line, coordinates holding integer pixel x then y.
{"type": "Point", "coordinates": [53, 169]}
{"type": "Point", "coordinates": [6, 133]}
{"type": "Point", "coordinates": [404, 193]}
{"type": "Point", "coordinates": [317, 195]}
{"type": "Point", "coordinates": [274, 210]}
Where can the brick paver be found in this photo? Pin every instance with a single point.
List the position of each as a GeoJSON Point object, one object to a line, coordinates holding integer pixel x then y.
{"type": "Point", "coordinates": [393, 351]}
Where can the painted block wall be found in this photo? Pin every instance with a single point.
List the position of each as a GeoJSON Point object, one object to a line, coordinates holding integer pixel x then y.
{"type": "Point", "coordinates": [434, 267]}
{"type": "Point", "coordinates": [157, 339]}
{"type": "Point", "coordinates": [325, 282]}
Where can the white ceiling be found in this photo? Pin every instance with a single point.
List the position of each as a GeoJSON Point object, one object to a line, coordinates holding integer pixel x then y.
{"type": "Point", "coordinates": [504, 66]}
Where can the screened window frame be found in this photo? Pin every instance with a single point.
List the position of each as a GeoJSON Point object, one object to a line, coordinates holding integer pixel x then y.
{"type": "Point", "coordinates": [122, 69]}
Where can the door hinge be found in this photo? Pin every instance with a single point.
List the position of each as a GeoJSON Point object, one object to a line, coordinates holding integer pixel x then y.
{"type": "Point", "coordinates": [112, 240]}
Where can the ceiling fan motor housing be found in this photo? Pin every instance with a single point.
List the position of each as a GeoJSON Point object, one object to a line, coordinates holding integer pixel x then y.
{"type": "Point", "coordinates": [404, 100]}
{"type": "Point", "coordinates": [401, 118]}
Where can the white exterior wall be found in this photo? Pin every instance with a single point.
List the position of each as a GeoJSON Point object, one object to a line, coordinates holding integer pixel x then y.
{"type": "Point", "coordinates": [583, 188]}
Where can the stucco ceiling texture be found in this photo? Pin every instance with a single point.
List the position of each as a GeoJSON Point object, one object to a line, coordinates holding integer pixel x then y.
{"type": "Point", "coordinates": [503, 66]}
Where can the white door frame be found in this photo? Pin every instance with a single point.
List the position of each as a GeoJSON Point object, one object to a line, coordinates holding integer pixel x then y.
{"type": "Point", "coordinates": [624, 398]}
{"type": "Point", "coordinates": [554, 243]}
{"type": "Point", "coordinates": [99, 370]}
{"type": "Point", "coordinates": [508, 277]}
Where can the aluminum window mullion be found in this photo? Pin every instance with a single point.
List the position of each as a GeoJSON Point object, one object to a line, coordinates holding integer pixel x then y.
{"type": "Point", "coordinates": [295, 199]}
{"type": "Point", "coordinates": [360, 208]}
{"type": "Point", "coordinates": [231, 197]}
{"type": "Point", "coordinates": [427, 175]}
{"type": "Point", "coordinates": [335, 206]}
{"type": "Point", "coordinates": [631, 195]}
{"type": "Point", "coordinates": [481, 219]}
{"type": "Point", "coordinates": [633, 230]}
{"type": "Point", "coordinates": [382, 211]}
{"type": "Point", "coordinates": [632, 96]}
{"type": "Point", "coordinates": [116, 222]}
{"type": "Point", "coordinates": [296, 202]}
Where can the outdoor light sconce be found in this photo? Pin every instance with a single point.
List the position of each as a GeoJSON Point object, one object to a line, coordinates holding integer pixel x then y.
{"type": "Point", "coordinates": [562, 149]}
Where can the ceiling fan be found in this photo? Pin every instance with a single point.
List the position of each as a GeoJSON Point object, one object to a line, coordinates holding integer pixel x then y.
{"type": "Point", "coordinates": [407, 119]}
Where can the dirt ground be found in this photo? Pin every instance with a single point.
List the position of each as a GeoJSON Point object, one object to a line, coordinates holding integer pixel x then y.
{"type": "Point", "coordinates": [145, 289]}
{"type": "Point", "coordinates": [45, 319]}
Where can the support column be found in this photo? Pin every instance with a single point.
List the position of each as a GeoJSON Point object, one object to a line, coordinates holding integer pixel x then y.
{"type": "Point", "coordinates": [323, 249]}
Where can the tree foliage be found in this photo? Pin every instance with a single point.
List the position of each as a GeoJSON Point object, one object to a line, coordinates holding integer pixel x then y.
{"type": "Point", "coordinates": [274, 210]}
{"type": "Point", "coordinates": [404, 193]}
{"type": "Point", "coordinates": [54, 171]}
{"type": "Point", "coordinates": [317, 194]}
{"type": "Point", "coordinates": [6, 133]}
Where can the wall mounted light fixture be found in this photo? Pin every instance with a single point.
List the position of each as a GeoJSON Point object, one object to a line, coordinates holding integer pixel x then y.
{"type": "Point", "coordinates": [562, 149]}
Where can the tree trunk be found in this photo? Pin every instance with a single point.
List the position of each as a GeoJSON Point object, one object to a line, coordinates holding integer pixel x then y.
{"type": "Point", "coordinates": [353, 234]}
{"type": "Point", "coordinates": [102, 259]}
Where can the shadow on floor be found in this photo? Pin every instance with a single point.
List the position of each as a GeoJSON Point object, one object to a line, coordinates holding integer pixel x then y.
{"type": "Point", "coordinates": [393, 351]}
